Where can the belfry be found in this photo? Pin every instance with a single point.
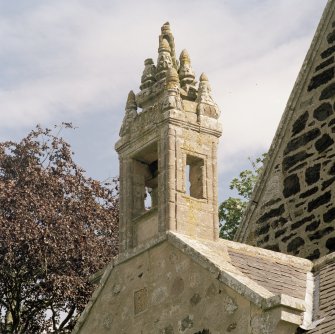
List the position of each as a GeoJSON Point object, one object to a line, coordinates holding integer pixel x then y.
{"type": "Point", "coordinates": [167, 152]}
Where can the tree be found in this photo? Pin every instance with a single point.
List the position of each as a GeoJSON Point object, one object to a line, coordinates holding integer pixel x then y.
{"type": "Point", "coordinates": [57, 227]}
{"type": "Point", "coordinates": [231, 210]}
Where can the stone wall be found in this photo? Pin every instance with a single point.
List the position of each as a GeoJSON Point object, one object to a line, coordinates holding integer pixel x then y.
{"type": "Point", "coordinates": [294, 210]}
{"type": "Point", "coordinates": [163, 291]}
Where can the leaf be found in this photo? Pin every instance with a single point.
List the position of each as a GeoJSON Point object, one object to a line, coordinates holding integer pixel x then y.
{"type": "Point", "coordinates": [57, 227]}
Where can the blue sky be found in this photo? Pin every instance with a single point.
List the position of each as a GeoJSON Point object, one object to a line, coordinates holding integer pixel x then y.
{"type": "Point", "coordinates": [76, 60]}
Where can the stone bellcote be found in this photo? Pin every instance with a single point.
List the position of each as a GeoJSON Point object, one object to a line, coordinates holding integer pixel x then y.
{"type": "Point", "coordinates": [168, 152]}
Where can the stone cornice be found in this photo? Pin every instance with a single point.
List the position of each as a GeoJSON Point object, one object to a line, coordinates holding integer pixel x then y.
{"type": "Point", "coordinates": [207, 125]}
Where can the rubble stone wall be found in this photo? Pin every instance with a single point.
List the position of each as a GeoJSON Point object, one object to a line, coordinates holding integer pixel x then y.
{"type": "Point", "coordinates": [296, 211]}
{"type": "Point", "coordinates": [164, 291]}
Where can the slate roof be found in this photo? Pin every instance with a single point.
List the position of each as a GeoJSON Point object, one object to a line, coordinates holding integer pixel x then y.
{"type": "Point", "coordinates": [324, 299]}
{"type": "Point", "coordinates": [266, 278]}
{"type": "Point", "coordinates": [277, 273]}
{"type": "Point", "coordinates": [277, 277]}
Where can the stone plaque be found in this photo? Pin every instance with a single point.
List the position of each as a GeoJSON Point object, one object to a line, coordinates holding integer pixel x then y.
{"type": "Point", "coordinates": [140, 300]}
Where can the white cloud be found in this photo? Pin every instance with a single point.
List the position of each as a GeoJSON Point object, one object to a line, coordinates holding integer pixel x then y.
{"type": "Point", "coordinates": [71, 58]}
{"type": "Point", "coordinates": [256, 98]}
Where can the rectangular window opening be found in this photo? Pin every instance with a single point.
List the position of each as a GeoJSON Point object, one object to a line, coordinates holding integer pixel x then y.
{"type": "Point", "coordinates": [145, 179]}
{"type": "Point", "coordinates": [194, 176]}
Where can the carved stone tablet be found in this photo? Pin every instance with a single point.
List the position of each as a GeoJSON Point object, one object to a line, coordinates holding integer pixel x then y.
{"type": "Point", "coordinates": [140, 300]}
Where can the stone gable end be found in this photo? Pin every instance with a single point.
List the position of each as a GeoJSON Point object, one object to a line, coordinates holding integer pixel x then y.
{"type": "Point", "coordinates": [293, 206]}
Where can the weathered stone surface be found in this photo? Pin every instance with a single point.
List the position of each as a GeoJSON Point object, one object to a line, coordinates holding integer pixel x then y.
{"type": "Point", "coordinates": [280, 232]}
{"type": "Point", "coordinates": [206, 105]}
{"type": "Point", "coordinates": [140, 300]}
{"type": "Point", "coordinates": [298, 167]}
{"type": "Point", "coordinates": [321, 233]}
{"type": "Point", "coordinates": [300, 124]}
{"type": "Point", "coordinates": [312, 226]}
{"type": "Point", "coordinates": [279, 222]}
{"type": "Point", "coordinates": [321, 79]}
{"type": "Point", "coordinates": [312, 174]}
{"type": "Point", "coordinates": [291, 185]}
{"type": "Point", "coordinates": [272, 247]}
{"type": "Point", "coordinates": [332, 169]}
{"type": "Point", "coordinates": [294, 245]}
{"type": "Point", "coordinates": [323, 143]}
{"type": "Point", "coordinates": [177, 286]}
{"type": "Point", "coordinates": [186, 323]}
{"type": "Point", "coordinates": [231, 327]}
{"type": "Point", "coordinates": [288, 237]}
{"type": "Point", "coordinates": [324, 64]}
{"type": "Point", "coordinates": [330, 244]}
{"type": "Point", "coordinates": [309, 192]}
{"type": "Point", "coordinates": [290, 161]}
{"type": "Point", "coordinates": [302, 140]}
{"type": "Point", "coordinates": [302, 222]}
{"type": "Point", "coordinates": [329, 215]}
{"type": "Point", "coordinates": [264, 241]}
{"type": "Point", "coordinates": [328, 52]}
{"type": "Point", "coordinates": [328, 92]}
{"type": "Point", "coordinates": [149, 74]}
{"type": "Point", "coordinates": [276, 212]}
{"type": "Point", "coordinates": [130, 115]}
{"type": "Point", "coordinates": [263, 229]}
{"type": "Point", "coordinates": [331, 37]}
{"type": "Point", "coordinates": [196, 298]}
{"type": "Point", "coordinates": [321, 200]}
{"type": "Point", "coordinates": [271, 202]}
{"type": "Point", "coordinates": [327, 183]}
{"type": "Point", "coordinates": [313, 256]}
{"type": "Point", "coordinates": [167, 330]}
{"type": "Point", "coordinates": [323, 111]}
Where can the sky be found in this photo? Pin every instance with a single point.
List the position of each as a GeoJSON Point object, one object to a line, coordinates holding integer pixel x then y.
{"type": "Point", "coordinates": [76, 60]}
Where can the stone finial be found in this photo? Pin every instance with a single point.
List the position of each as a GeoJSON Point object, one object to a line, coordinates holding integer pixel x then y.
{"type": "Point", "coordinates": [131, 113]}
{"type": "Point", "coordinates": [186, 73]}
{"type": "Point", "coordinates": [149, 74]}
{"type": "Point", "coordinates": [206, 105]}
{"type": "Point", "coordinates": [203, 77]}
{"type": "Point", "coordinates": [184, 57]}
{"type": "Point", "coordinates": [172, 78]}
{"type": "Point", "coordinates": [172, 99]}
{"type": "Point", "coordinates": [167, 35]}
{"type": "Point", "coordinates": [165, 28]}
{"type": "Point", "coordinates": [164, 61]}
{"type": "Point", "coordinates": [164, 46]}
{"type": "Point", "coordinates": [131, 101]}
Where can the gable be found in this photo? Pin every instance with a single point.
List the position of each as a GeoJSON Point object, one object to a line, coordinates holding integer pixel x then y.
{"type": "Point", "coordinates": [164, 291]}
{"type": "Point", "coordinates": [293, 205]}
{"type": "Point", "coordinates": [182, 285]}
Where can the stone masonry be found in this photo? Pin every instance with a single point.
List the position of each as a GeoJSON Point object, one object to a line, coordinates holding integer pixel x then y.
{"type": "Point", "coordinates": [293, 208]}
